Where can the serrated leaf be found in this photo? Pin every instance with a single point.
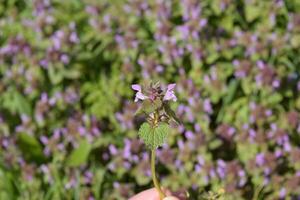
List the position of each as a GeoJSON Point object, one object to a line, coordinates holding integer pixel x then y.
{"type": "Point", "coordinates": [79, 155]}
{"type": "Point", "coordinates": [153, 137]}
{"type": "Point", "coordinates": [171, 113]}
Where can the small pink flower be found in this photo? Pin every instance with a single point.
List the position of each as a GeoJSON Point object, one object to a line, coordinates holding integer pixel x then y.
{"type": "Point", "coordinates": [170, 95]}
{"type": "Point", "coordinates": [139, 94]}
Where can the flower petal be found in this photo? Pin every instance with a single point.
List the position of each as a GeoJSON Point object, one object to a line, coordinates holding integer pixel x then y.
{"type": "Point", "coordinates": [170, 96]}
{"type": "Point", "coordinates": [141, 96]}
{"type": "Point", "coordinates": [136, 87]}
{"type": "Point", "coordinates": [171, 86]}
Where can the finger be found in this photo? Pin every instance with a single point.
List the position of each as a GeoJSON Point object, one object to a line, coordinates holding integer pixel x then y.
{"type": "Point", "coordinates": [170, 198]}
{"type": "Point", "coordinates": [150, 194]}
{"type": "Point", "coordinates": [166, 191]}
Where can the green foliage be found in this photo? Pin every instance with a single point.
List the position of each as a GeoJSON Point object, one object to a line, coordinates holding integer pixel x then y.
{"type": "Point", "coordinates": [170, 113]}
{"type": "Point", "coordinates": [246, 151]}
{"type": "Point", "coordinates": [148, 106]}
{"type": "Point", "coordinates": [67, 109]}
{"type": "Point", "coordinates": [79, 155]}
{"type": "Point", "coordinates": [15, 102]}
{"type": "Point", "coordinates": [154, 137]}
{"type": "Point", "coordinates": [31, 148]}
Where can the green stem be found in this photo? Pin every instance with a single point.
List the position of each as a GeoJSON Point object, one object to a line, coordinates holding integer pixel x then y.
{"type": "Point", "coordinates": [155, 181]}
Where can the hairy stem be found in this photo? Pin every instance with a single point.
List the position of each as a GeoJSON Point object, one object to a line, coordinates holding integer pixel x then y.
{"type": "Point", "coordinates": [154, 178]}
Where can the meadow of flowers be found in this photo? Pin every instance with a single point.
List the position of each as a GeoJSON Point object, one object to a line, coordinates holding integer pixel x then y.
{"type": "Point", "coordinates": [68, 128]}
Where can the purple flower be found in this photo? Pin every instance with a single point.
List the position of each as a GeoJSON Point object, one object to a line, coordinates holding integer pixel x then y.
{"type": "Point", "coordinates": [189, 135]}
{"type": "Point", "coordinates": [73, 37]}
{"type": "Point", "coordinates": [276, 83]}
{"type": "Point", "coordinates": [180, 144]}
{"type": "Point", "coordinates": [170, 95]}
{"type": "Point", "coordinates": [260, 159]}
{"type": "Point", "coordinates": [139, 94]}
{"type": "Point", "coordinates": [65, 58]}
{"type": "Point", "coordinates": [252, 133]}
{"type": "Point", "coordinates": [221, 168]}
{"type": "Point", "coordinates": [200, 160]}
{"type": "Point", "coordinates": [71, 184]}
{"type": "Point", "coordinates": [287, 147]}
{"type": "Point", "coordinates": [282, 193]}
{"type": "Point", "coordinates": [198, 168]}
{"type": "Point", "coordinates": [44, 140]}
{"type": "Point", "coordinates": [278, 153]}
{"type": "Point", "coordinates": [207, 106]}
{"type": "Point", "coordinates": [88, 177]}
{"type": "Point", "coordinates": [112, 149]}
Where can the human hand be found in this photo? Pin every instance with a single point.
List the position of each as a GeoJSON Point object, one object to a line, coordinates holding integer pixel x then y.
{"type": "Point", "coordinates": [151, 194]}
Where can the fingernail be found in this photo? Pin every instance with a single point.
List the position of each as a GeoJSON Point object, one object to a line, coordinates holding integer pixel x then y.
{"type": "Point", "coordinates": [170, 198]}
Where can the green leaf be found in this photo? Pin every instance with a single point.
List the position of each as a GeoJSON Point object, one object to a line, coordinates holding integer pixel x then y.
{"type": "Point", "coordinates": [273, 99]}
{"type": "Point", "coordinates": [247, 151]}
{"type": "Point", "coordinates": [227, 23]}
{"type": "Point", "coordinates": [22, 104]}
{"type": "Point", "coordinates": [102, 141]}
{"type": "Point", "coordinates": [146, 108]}
{"type": "Point", "coordinates": [154, 137]}
{"type": "Point", "coordinates": [232, 89]}
{"type": "Point", "coordinates": [212, 57]}
{"type": "Point", "coordinates": [295, 40]}
{"type": "Point", "coordinates": [171, 113]}
{"type": "Point", "coordinates": [214, 144]}
{"type": "Point", "coordinates": [215, 5]}
{"type": "Point", "coordinates": [15, 102]}
{"type": "Point", "coordinates": [141, 179]}
{"type": "Point", "coordinates": [79, 155]}
{"type": "Point", "coordinates": [149, 106]}
{"type": "Point", "coordinates": [30, 147]}
{"type": "Point", "coordinates": [98, 180]}
{"type": "Point", "coordinates": [55, 74]}
{"type": "Point", "coordinates": [252, 12]}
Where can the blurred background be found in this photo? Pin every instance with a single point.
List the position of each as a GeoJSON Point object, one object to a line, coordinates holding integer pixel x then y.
{"type": "Point", "coordinates": [67, 124]}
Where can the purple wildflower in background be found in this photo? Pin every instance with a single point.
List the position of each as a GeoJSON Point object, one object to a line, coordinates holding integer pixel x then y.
{"type": "Point", "coordinates": [242, 178]}
{"type": "Point", "coordinates": [112, 149]}
{"type": "Point", "coordinates": [221, 168]}
{"type": "Point", "coordinates": [207, 106]}
{"type": "Point", "coordinates": [278, 153]}
{"type": "Point", "coordinates": [282, 193]}
{"type": "Point", "coordinates": [260, 159]}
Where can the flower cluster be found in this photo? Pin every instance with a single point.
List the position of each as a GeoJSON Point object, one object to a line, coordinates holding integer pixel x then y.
{"type": "Point", "coordinates": [154, 92]}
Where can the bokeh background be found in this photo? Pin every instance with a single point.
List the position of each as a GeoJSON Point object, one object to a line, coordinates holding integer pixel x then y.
{"type": "Point", "coordinates": [67, 124]}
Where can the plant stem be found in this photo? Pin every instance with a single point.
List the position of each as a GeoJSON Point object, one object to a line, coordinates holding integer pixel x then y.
{"type": "Point", "coordinates": [155, 181]}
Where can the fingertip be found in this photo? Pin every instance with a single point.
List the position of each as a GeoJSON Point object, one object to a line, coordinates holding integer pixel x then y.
{"type": "Point", "coordinates": [170, 198]}
{"type": "Point", "coordinates": [150, 194]}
